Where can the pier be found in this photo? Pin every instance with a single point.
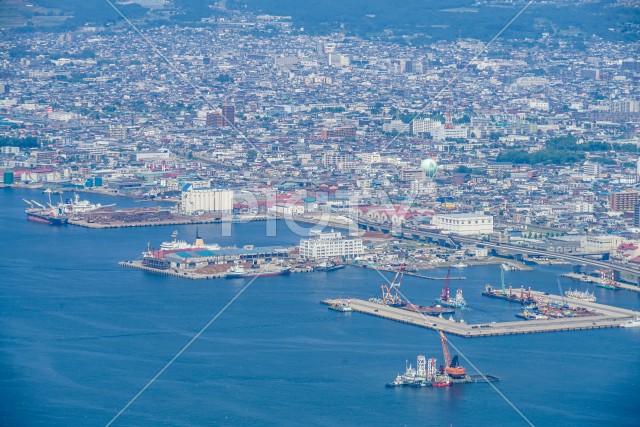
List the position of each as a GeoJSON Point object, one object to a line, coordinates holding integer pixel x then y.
{"type": "Point", "coordinates": [170, 272]}
{"type": "Point", "coordinates": [597, 280]}
{"type": "Point", "coordinates": [607, 317]}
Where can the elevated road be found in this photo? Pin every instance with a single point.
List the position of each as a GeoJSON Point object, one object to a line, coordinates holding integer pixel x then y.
{"type": "Point", "coordinates": [434, 236]}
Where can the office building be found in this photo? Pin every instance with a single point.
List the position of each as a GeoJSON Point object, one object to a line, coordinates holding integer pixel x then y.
{"type": "Point", "coordinates": [330, 245]}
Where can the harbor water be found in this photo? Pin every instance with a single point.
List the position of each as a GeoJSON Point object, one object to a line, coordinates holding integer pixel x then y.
{"type": "Point", "coordinates": [80, 336]}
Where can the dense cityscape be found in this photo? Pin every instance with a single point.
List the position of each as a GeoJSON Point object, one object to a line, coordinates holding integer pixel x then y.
{"type": "Point", "coordinates": [444, 154]}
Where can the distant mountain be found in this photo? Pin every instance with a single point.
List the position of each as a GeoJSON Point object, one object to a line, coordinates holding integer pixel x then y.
{"type": "Point", "coordinates": [405, 21]}
{"type": "Point", "coordinates": [452, 18]}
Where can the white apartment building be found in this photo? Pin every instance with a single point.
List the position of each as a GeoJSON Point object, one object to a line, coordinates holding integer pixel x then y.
{"type": "Point", "coordinates": [425, 125]}
{"type": "Point", "coordinates": [332, 159]}
{"type": "Point", "coordinates": [330, 245]}
{"type": "Point", "coordinates": [465, 224]}
{"type": "Point", "coordinates": [591, 169]}
{"type": "Point", "coordinates": [206, 199]}
{"type": "Point", "coordinates": [287, 209]}
{"type": "Point", "coordinates": [442, 133]}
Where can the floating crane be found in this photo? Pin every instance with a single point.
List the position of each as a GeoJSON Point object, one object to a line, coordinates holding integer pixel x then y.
{"type": "Point", "coordinates": [388, 297]}
{"type": "Point", "coordinates": [445, 299]}
{"type": "Point", "coordinates": [452, 367]}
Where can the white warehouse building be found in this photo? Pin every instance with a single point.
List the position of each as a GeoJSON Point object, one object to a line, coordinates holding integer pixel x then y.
{"type": "Point", "coordinates": [206, 200]}
{"type": "Point", "coordinates": [465, 224]}
{"type": "Point", "coordinates": [330, 245]}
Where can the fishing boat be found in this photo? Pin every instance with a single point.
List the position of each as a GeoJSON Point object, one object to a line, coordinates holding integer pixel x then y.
{"type": "Point", "coordinates": [344, 306]}
{"type": "Point", "coordinates": [580, 295]}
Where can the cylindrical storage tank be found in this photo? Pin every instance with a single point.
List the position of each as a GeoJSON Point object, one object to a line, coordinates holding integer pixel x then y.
{"type": "Point", "coordinates": [8, 177]}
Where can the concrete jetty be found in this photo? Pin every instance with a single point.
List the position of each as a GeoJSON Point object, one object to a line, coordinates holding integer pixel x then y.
{"type": "Point", "coordinates": [608, 317]}
{"type": "Point", "coordinates": [170, 272]}
{"type": "Point", "coordinates": [592, 279]}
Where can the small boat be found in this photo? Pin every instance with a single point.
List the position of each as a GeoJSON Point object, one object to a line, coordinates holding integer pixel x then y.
{"type": "Point", "coordinates": [632, 323]}
{"type": "Point", "coordinates": [507, 267]}
{"type": "Point", "coordinates": [460, 265]}
{"type": "Point", "coordinates": [341, 306]}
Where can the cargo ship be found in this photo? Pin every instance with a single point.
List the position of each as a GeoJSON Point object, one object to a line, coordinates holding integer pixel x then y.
{"type": "Point", "coordinates": [46, 217]}
{"type": "Point", "coordinates": [39, 213]}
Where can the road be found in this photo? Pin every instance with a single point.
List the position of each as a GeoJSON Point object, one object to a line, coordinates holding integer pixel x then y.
{"type": "Point", "coordinates": [506, 247]}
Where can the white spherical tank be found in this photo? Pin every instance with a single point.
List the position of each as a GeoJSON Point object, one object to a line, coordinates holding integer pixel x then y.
{"type": "Point", "coordinates": [429, 167]}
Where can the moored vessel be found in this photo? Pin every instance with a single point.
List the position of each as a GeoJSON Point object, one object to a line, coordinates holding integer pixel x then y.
{"type": "Point", "coordinates": [446, 300]}
{"type": "Point", "coordinates": [580, 295]}
{"type": "Point", "coordinates": [340, 305]}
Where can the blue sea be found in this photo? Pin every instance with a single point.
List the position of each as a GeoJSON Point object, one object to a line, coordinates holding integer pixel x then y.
{"type": "Point", "coordinates": [80, 336]}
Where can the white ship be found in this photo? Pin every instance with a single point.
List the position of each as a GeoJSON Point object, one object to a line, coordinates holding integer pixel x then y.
{"type": "Point", "coordinates": [584, 296]}
{"type": "Point", "coordinates": [632, 323]}
{"type": "Point", "coordinates": [176, 244]}
{"type": "Point", "coordinates": [77, 206]}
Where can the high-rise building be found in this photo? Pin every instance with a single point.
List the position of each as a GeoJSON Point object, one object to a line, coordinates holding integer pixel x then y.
{"type": "Point", "coordinates": [214, 119]}
{"type": "Point", "coordinates": [228, 115]}
{"type": "Point", "coordinates": [624, 201]}
{"type": "Point", "coordinates": [636, 216]}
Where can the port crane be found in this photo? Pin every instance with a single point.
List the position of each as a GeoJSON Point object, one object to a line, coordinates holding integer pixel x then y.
{"type": "Point", "coordinates": [452, 366]}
